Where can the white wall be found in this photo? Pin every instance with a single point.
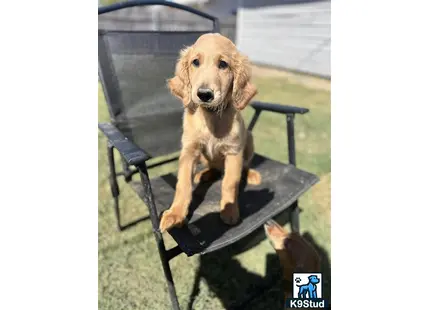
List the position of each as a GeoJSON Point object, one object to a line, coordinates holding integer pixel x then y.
{"type": "Point", "coordinates": [290, 36]}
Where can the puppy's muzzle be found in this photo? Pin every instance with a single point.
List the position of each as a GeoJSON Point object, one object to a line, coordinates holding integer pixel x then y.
{"type": "Point", "coordinates": [205, 94]}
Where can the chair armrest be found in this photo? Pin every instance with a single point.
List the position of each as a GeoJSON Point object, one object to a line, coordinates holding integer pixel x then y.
{"type": "Point", "coordinates": [278, 108]}
{"type": "Point", "coordinates": [132, 154]}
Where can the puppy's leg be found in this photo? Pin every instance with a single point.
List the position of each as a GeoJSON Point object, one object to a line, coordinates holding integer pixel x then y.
{"type": "Point", "coordinates": [253, 176]}
{"type": "Point", "coordinates": [207, 174]}
{"type": "Point", "coordinates": [179, 208]}
{"type": "Point", "coordinates": [230, 187]}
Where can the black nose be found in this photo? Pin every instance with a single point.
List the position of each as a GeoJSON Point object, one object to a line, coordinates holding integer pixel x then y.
{"type": "Point", "coordinates": [205, 94]}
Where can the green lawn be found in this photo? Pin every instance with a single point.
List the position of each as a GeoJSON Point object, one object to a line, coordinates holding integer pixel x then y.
{"type": "Point", "coordinates": [130, 274]}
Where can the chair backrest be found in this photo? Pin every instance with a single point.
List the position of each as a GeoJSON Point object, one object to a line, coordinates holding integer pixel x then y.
{"type": "Point", "coordinates": [138, 46]}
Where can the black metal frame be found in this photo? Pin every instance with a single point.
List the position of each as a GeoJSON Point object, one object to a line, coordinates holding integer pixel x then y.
{"type": "Point", "coordinates": [132, 155]}
{"type": "Point", "coordinates": [128, 4]}
{"type": "Point", "coordinates": [290, 112]}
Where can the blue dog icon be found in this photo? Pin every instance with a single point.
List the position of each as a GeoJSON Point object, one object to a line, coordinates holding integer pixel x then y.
{"type": "Point", "coordinates": [309, 289]}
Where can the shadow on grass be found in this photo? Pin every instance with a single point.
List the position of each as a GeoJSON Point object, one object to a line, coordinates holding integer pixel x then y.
{"type": "Point", "coordinates": [238, 288]}
{"type": "Point", "coordinates": [325, 265]}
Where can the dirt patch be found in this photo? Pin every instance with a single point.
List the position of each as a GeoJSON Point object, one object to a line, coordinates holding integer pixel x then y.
{"type": "Point", "coordinates": [306, 80]}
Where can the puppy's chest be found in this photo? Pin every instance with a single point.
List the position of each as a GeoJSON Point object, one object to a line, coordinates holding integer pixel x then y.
{"type": "Point", "coordinates": [213, 148]}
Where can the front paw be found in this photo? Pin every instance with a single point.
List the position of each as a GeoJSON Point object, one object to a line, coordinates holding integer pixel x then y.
{"type": "Point", "coordinates": [254, 177]}
{"type": "Point", "coordinates": [229, 213]}
{"type": "Point", "coordinates": [170, 219]}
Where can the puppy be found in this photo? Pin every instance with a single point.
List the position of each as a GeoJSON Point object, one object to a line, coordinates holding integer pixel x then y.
{"type": "Point", "coordinates": [212, 79]}
{"type": "Point", "coordinates": [294, 252]}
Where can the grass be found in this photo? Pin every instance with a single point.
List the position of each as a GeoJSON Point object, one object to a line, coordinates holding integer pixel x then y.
{"type": "Point", "coordinates": [130, 273]}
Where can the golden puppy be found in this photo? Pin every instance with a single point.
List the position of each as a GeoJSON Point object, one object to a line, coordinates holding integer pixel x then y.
{"type": "Point", "coordinates": [294, 252]}
{"type": "Point", "coordinates": [212, 79]}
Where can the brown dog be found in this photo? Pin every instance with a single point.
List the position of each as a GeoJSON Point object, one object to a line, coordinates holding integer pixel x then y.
{"type": "Point", "coordinates": [294, 252]}
{"type": "Point", "coordinates": [212, 79]}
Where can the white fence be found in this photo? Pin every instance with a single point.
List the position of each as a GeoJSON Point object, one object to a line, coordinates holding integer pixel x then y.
{"type": "Point", "coordinates": [290, 36]}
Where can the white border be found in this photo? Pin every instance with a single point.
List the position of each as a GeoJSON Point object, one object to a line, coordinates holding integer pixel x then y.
{"type": "Point", "coordinates": [380, 153]}
{"type": "Point", "coordinates": [49, 155]}
{"type": "Point", "coordinates": [380, 108]}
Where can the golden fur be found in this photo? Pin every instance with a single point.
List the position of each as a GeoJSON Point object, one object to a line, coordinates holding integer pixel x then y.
{"type": "Point", "coordinates": [294, 252]}
{"type": "Point", "coordinates": [213, 132]}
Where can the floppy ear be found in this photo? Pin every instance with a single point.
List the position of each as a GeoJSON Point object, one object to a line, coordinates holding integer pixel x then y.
{"type": "Point", "coordinates": [276, 234]}
{"type": "Point", "coordinates": [179, 85]}
{"type": "Point", "coordinates": [243, 90]}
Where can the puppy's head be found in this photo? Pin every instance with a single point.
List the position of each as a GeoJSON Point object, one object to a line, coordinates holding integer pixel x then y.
{"type": "Point", "coordinates": [294, 252]}
{"type": "Point", "coordinates": [212, 73]}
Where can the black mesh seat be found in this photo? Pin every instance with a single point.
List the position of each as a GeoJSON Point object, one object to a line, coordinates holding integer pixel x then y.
{"type": "Point", "coordinates": [205, 232]}
{"type": "Point", "coordinates": [138, 49]}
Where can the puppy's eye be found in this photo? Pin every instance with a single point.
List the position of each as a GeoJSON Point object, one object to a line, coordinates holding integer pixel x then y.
{"type": "Point", "coordinates": [196, 62]}
{"type": "Point", "coordinates": [222, 64]}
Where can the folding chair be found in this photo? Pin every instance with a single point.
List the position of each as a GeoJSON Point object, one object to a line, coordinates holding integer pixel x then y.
{"type": "Point", "coordinates": [136, 55]}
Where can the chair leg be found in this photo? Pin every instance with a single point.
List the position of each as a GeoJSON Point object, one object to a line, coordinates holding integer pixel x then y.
{"type": "Point", "coordinates": [126, 170]}
{"type": "Point", "coordinates": [295, 225]}
{"type": "Point", "coordinates": [295, 221]}
{"type": "Point", "coordinates": [149, 201]}
{"type": "Point", "coordinates": [167, 270]}
{"type": "Point", "coordinates": [114, 184]}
